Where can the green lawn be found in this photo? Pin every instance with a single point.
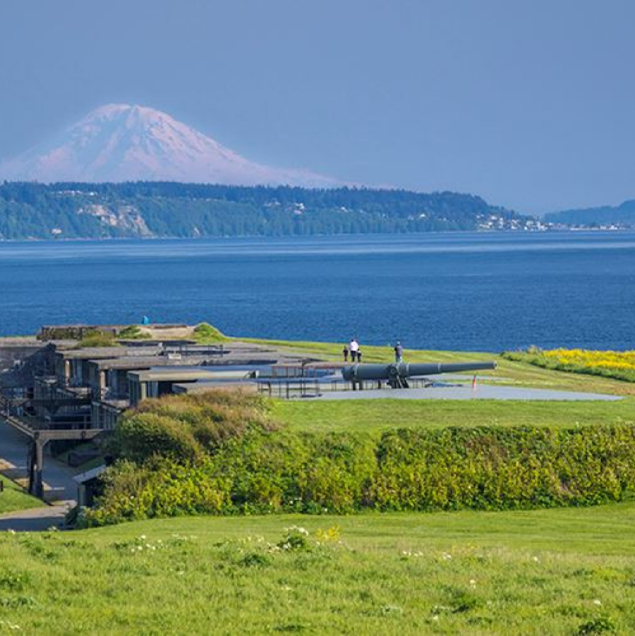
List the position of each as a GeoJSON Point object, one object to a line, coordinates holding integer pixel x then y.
{"type": "Point", "coordinates": [538, 572]}
{"type": "Point", "coordinates": [382, 414]}
{"type": "Point", "coordinates": [508, 372]}
{"type": "Point", "coordinates": [557, 571]}
{"type": "Point", "coordinates": [15, 498]}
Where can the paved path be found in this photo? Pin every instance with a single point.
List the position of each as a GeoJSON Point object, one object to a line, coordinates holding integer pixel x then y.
{"type": "Point", "coordinates": [59, 486]}
{"type": "Point", "coordinates": [58, 477]}
{"type": "Point", "coordinates": [34, 520]}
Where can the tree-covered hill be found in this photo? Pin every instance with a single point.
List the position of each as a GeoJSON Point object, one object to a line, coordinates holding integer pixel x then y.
{"type": "Point", "coordinates": [157, 209]}
{"type": "Point", "coordinates": [620, 215]}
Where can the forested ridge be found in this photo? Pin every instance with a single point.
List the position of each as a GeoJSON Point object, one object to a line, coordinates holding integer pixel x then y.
{"type": "Point", "coordinates": [158, 209]}
{"type": "Point", "coordinates": [621, 215]}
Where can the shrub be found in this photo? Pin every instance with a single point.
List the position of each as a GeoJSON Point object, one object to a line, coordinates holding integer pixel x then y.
{"type": "Point", "coordinates": [141, 435]}
{"type": "Point", "coordinates": [187, 427]}
{"type": "Point", "coordinates": [96, 338]}
{"type": "Point", "coordinates": [497, 468]}
{"type": "Point", "coordinates": [160, 488]}
{"type": "Point", "coordinates": [133, 332]}
{"type": "Point", "coordinates": [295, 540]}
{"type": "Point", "coordinates": [597, 626]}
{"type": "Point", "coordinates": [263, 470]}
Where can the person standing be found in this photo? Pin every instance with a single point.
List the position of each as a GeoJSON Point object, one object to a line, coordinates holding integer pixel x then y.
{"type": "Point", "coordinates": [345, 353]}
{"type": "Point", "coordinates": [353, 348]}
{"type": "Point", "coordinates": [359, 356]}
{"type": "Point", "coordinates": [398, 353]}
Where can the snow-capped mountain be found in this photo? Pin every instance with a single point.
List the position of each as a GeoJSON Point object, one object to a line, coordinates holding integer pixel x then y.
{"type": "Point", "coordinates": [122, 142]}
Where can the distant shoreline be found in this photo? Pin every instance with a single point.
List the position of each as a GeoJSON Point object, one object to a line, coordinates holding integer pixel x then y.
{"type": "Point", "coordinates": [123, 239]}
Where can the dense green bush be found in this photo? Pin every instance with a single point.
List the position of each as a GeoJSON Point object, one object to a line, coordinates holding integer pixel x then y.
{"type": "Point", "coordinates": [255, 468]}
{"type": "Point", "coordinates": [188, 427]}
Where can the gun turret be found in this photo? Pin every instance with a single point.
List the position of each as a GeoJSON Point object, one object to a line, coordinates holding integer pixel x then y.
{"type": "Point", "coordinates": [397, 374]}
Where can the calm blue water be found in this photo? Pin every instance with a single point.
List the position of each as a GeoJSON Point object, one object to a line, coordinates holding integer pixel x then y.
{"type": "Point", "coordinates": [446, 291]}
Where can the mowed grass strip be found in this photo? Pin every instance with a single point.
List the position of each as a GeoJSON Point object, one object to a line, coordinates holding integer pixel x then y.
{"type": "Point", "coordinates": [512, 373]}
{"type": "Point", "coordinates": [380, 414]}
{"type": "Point", "coordinates": [15, 498]}
{"type": "Point", "coordinates": [549, 571]}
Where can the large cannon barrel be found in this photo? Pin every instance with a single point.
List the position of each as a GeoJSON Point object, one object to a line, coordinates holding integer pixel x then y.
{"type": "Point", "coordinates": [404, 370]}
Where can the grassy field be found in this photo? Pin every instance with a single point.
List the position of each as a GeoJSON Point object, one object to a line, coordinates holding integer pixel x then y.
{"type": "Point", "coordinates": [509, 372]}
{"type": "Point", "coordinates": [554, 571]}
{"type": "Point", "coordinates": [14, 498]}
{"type": "Point", "coordinates": [560, 571]}
{"type": "Point", "coordinates": [383, 414]}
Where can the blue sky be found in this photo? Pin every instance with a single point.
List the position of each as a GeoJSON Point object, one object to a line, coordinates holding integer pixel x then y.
{"type": "Point", "coordinates": [528, 104]}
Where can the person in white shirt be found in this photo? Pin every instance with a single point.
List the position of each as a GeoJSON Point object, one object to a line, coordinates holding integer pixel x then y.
{"type": "Point", "coordinates": [353, 347]}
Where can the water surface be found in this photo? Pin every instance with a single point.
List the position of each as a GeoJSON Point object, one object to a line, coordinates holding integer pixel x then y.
{"type": "Point", "coordinates": [446, 291]}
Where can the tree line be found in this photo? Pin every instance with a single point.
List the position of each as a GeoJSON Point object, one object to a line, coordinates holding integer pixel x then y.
{"type": "Point", "coordinates": [165, 209]}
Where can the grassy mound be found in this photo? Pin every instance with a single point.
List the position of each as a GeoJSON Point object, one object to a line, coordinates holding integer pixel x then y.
{"type": "Point", "coordinates": [206, 334]}
{"type": "Point", "coordinates": [133, 332]}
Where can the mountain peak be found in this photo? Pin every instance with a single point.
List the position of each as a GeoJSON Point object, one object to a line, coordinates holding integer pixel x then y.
{"type": "Point", "coordinates": [110, 111]}
{"type": "Point", "coordinates": [127, 142]}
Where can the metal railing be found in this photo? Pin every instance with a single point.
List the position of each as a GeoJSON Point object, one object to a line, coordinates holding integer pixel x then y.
{"type": "Point", "coordinates": [22, 412]}
{"type": "Point", "coordinates": [294, 387]}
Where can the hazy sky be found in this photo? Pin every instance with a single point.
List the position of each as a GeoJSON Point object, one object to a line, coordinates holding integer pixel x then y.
{"type": "Point", "coordinates": [530, 104]}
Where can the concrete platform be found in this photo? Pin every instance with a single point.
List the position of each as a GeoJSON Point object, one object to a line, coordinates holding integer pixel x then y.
{"type": "Point", "coordinates": [482, 392]}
